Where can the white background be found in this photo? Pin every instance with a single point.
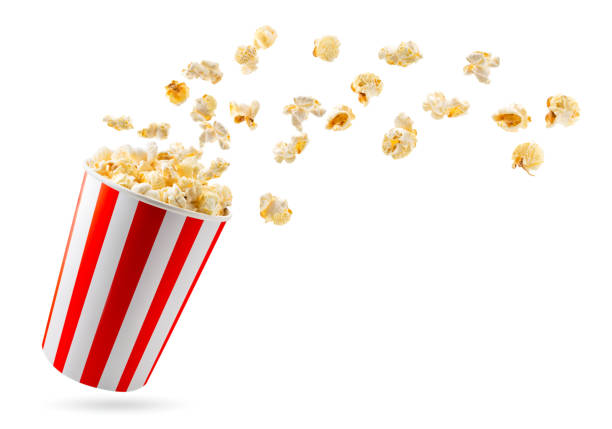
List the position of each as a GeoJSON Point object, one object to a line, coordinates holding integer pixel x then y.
{"type": "Point", "coordinates": [442, 290]}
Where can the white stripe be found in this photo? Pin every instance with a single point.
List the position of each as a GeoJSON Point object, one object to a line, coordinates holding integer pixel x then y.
{"type": "Point", "coordinates": [89, 196]}
{"type": "Point", "coordinates": [143, 295]}
{"type": "Point", "coordinates": [101, 281]}
{"type": "Point", "coordinates": [177, 296]}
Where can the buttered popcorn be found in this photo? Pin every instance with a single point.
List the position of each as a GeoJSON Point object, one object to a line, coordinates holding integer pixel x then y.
{"type": "Point", "coordinates": [401, 140]}
{"type": "Point", "coordinates": [244, 113]}
{"type": "Point", "coordinates": [175, 176]}
{"type": "Point", "coordinates": [247, 57]}
{"type": "Point", "coordinates": [288, 151]}
{"type": "Point", "coordinates": [561, 110]}
{"type": "Point", "coordinates": [340, 118]}
{"type": "Point", "coordinates": [121, 123]}
{"type": "Point", "coordinates": [439, 106]}
{"type": "Point", "coordinates": [528, 156]}
{"type": "Point", "coordinates": [177, 92]}
{"type": "Point", "coordinates": [302, 107]}
{"type": "Point", "coordinates": [274, 209]}
{"type": "Point", "coordinates": [480, 64]}
{"type": "Point", "coordinates": [264, 37]}
{"type": "Point", "coordinates": [154, 130]}
{"type": "Point", "coordinates": [326, 48]}
{"type": "Point", "coordinates": [204, 108]}
{"type": "Point", "coordinates": [366, 86]}
{"type": "Point", "coordinates": [406, 53]}
{"type": "Point", "coordinates": [205, 70]}
{"type": "Point", "coordinates": [512, 118]}
{"type": "Point", "coordinates": [215, 132]}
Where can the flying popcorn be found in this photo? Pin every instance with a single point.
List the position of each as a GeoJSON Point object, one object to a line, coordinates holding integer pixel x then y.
{"type": "Point", "coordinates": [512, 118]}
{"type": "Point", "coordinates": [215, 133]}
{"type": "Point", "coordinates": [562, 110]}
{"type": "Point", "coordinates": [340, 118]}
{"type": "Point", "coordinates": [480, 64]}
{"type": "Point", "coordinates": [121, 123]}
{"type": "Point", "coordinates": [399, 141]}
{"type": "Point", "coordinates": [439, 106]}
{"type": "Point", "coordinates": [367, 85]}
{"type": "Point", "coordinates": [301, 108]}
{"type": "Point", "coordinates": [177, 92]}
{"type": "Point", "coordinates": [204, 108]}
{"type": "Point", "coordinates": [288, 151]}
{"type": "Point", "coordinates": [326, 48]}
{"type": "Point", "coordinates": [528, 156]}
{"type": "Point", "coordinates": [406, 53]}
{"type": "Point", "coordinates": [274, 209]}
{"type": "Point", "coordinates": [205, 70]}
{"type": "Point", "coordinates": [216, 169]}
{"type": "Point", "coordinates": [154, 130]}
{"type": "Point", "coordinates": [247, 57]}
{"type": "Point", "coordinates": [244, 113]}
{"type": "Point", "coordinates": [264, 37]}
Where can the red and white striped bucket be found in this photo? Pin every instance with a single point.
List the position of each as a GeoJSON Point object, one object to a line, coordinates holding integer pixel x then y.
{"type": "Point", "coordinates": [130, 265]}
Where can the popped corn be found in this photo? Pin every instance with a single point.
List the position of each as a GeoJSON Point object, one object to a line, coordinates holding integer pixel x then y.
{"type": "Point", "coordinates": [244, 113]}
{"type": "Point", "coordinates": [177, 92]}
{"type": "Point", "coordinates": [512, 118]}
{"type": "Point", "coordinates": [406, 53]}
{"type": "Point", "coordinates": [121, 123]}
{"type": "Point", "coordinates": [247, 57]}
{"type": "Point", "coordinates": [154, 130]}
{"type": "Point", "coordinates": [175, 176]}
{"type": "Point", "coordinates": [287, 152]}
{"type": "Point", "coordinates": [274, 209]}
{"type": "Point", "coordinates": [215, 132]}
{"type": "Point", "coordinates": [528, 156]}
{"type": "Point", "coordinates": [479, 65]}
{"type": "Point", "coordinates": [440, 107]}
{"type": "Point", "coordinates": [326, 48]}
{"type": "Point", "coordinates": [340, 118]}
{"type": "Point", "coordinates": [204, 108]}
{"type": "Point", "coordinates": [301, 108]}
{"type": "Point", "coordinates": [561, 110]}
{"type": "Point", "coordinates": [399, 141]}
{"type": "Point", "coordinates": [367, 85]}
{"type": "Point", "coordinates": [264, 37]}
{"type": "Point", "coordinates": [205, 70]}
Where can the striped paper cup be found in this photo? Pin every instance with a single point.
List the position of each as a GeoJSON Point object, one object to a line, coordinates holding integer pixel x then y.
{"type": "Point", "coordinates": [129, 267]}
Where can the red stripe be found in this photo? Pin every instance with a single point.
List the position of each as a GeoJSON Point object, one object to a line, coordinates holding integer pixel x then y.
{"type": "Point", "coordinates": [95, 238]}
{"type": "Point", "coordinates": [138, 244]}
{"type": "Point", "coordinates": [212, 246]}
{"type": "Point", "coordinates": [59, 278]}
{"type": "Point", "coordinates": [181, 250]}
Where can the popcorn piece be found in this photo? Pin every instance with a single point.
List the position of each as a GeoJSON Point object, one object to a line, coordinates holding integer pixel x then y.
{"type": "Point", "coordinates": [403, 121]}
{"type": "Point", "coordinates": [301, 108]}
{"type": "Point", "coordinates": [326, 48]}
{"type": "Point", "coordinates": [177, 92]}
{"type": "Point", "coordinates": [264, 37]}
{"type": "Point", "coordinates": [205, 70]}
{"type": "Point", "coordinates": [274, 209]}
{"type": "Point", "coordinates": [244, 113]}
{"type": "Point", "coordinates": [479, 65]}
{"type": "Point", "coordinates": [216, 169]}
{"type": "Point", "coordinates": [512, 118]}
{"type": "Point", "coordinates": [406, 53]}
{"type": "Point", "coordinates": [367, 85]}
{"type": "Point", "coordinates": [121, 123]}
{"type": "Point", "coordinates": [528, 156]}
{"type": "Point", "coordinates": [287, 152]}
{"type": "Point", "coordinates": [399, 142]}
{"type": "Point", "coordinates": [562, 110]}
{"type": "Point", "coordinates": [247, 57]}
{"type": "Point", "coordinates": [340, 118]}
{"type": "Point", "coordinates": [155, 130]}
{"type": "Point", "coordinates": [215, 132]}
{"type": "Point", "coordinates": [141, 188]}
{"type": "Point", "coordinates": [440, 107]}
{"type": "Point", "coordinates": [204, 108]}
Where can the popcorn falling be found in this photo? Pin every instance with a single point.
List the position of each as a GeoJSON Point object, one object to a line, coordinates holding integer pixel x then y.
{"type": "Point", "coordinates": [480, 64]}
{"type": "Point", "coordinates": [326, 48]}
{"type": "Point", "coordinates": [528, 156]}
{"type": "Point", "coordinates": [274, 209]}
{"type": "Point", "coordinates": [215, 133]}
{"type": "Point", "coordinates": [561, 110]}
{"type": "Point", "coordinates": [204, 108]}
{"type": "Point", "coordinates": [302, 107]}
{"type": "Point", "coordinates": [121, 123]}
{"type": "Point", "coordinates": [264, 37]}
{"type": "Point", "coordinates": [512, 118]}
{"type": "Point", "coordinates": [367, 85]}
{"type": "Point", "coordinates": [406, 53]}
{"type": "Point", "coordinates": [177, 92]}
{"type": "Point", "coordinates": [401, 140]}
{"type": "Point", "coordinates": [247, 57]}
{"type": "Point", "coordinates": [244, 113]}
{"type": "Point", "coordinates": [340, 118]}
{"type": "Point", "coordinates": [288, 151]}
{"type": "Point", "coordinates": [439, 107]}
{"type": "Point", "coordinates": [205, 70]}
{"type": "Point", "coordinates": [154, 130]}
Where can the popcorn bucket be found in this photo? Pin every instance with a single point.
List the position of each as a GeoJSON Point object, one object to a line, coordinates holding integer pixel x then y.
{"type": "Point", "coordinates": [129, 267]}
